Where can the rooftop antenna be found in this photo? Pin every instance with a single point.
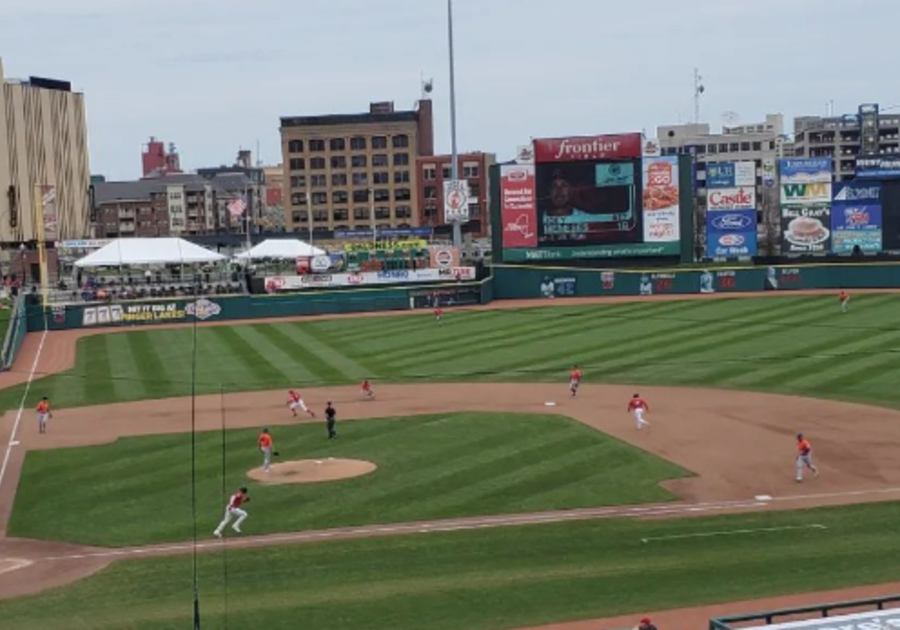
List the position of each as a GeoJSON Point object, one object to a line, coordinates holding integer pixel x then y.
{"type": "Point", "coordinates": [699, 89]}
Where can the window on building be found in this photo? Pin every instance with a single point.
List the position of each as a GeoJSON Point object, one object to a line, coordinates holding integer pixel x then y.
{"type": "Point", "coordinates": [734, 147]}
{"type": "Point", "coordinates": [745, 146]}
{"type": "Point", "coordinates": [474, 210]}
{"type": "Point", "coordinates": [379, 159]}
{"type": "Point", "coordinates": [401, 159]}
{"type": "Point", "coordinates": [319, 181]}
{"type": "Point", "coordinates": [341, 214]}
{"type": "Point", "coordinates": [295, 146]}
{"type": "Point", "coordinates": [379, 142]}
{"type": "Point", "coordinates": [298, 181]}
{"type": "Point", "coordinates": [360, 179]}
{"type": "Point", "coordinates": [298, 199]}
{"type": "Point", "coordinates": [401, 177]}
{"type": "Point", "coordinates": [402, 194]}
{"type": "Point", "coordinates": [316, 146]}
{"type": "Point", "coordinates": [358, 143]}
{"type": "Point", "coordinates": [446, 171]}
{"type": "Point", "coordinates": [320, 197]}
{"type": "Point", "coordinates": [757, 146]}
{"type": "Point", "coordinates": [361, 214]}
{"type": "Point", "coordinates": [380, 178]}
{"type": "Point", "coordinates": [382, 195]}
{"type": "Point", "coordinates": [712, 148]}
{"type": "Point", "coordinates": [470, 169]}
{"type": "Point", "coordinates": [339, 179]}
{"type": "Point", "coordinates": [382, 213]}
{"type": "Point", "coordinates": [431, 192]}
{"type": "Point", "coordinates": [340, 196]}
{"type": "Point", "coordinates": [338, 161]}
{"type": "Point", "coordinates": [338, 144]}
{"type": "Point", "coordinates": [317, 164]}
{"type": "Point", "coordinates": [771, 145]}
{"type": "Point", "coordinates": [475, 190]}
{"type": "Point", "coordinates": [299, 217]}
{"type": "Point", "coordinates": [320, 215]}
{"type": "Point", "coordinates": [723, 148]}
{"type": "Point", "coordinates": [400, 141]}
{"type": "Point", "coordinates": [361, 196]}
{"type": "Point", "coordinates": [429, 172]}
{"type": "Point", "coordinates": [403, 212]}
{"type": "Point", "coordinates": [358, 161]}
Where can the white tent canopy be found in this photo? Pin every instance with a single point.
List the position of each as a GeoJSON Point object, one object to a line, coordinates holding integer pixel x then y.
{"type": "Point", "coordinates": [148, 251]}
{"type": "Point", "coordinates": [281, 248]}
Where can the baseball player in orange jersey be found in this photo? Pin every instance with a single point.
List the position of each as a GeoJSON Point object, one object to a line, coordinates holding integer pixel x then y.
{"type": "Point", "coordinates": [367, 389]}
{"type": "Point", "coordinates": [844, 298]}
{"type": "Point", "coordinates": [574, 380]}
{"type": "Point", "coordinates": [266, 445]}
{"type": "Point", "coordinates": [295, 401]}
{"type": "Point", "coordinates": [233, 509]}
{"type": "Point", "coordinates": [438, 314]}
{"type": "Point", "coordinates": [637, 407]}
{"type": "Point", "coordinates": [43, 414]}
{"type": "Point", "coordinates": [804, 457]}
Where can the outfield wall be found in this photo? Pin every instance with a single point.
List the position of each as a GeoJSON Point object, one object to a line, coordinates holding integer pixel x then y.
{"type": "Point", "coordinates": [524, 282]}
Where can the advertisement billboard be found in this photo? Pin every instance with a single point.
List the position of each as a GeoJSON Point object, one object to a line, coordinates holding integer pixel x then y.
{"type": "Point", "coordinates": [275, 284]}
{"type": "Point", "coordinates": [730, 174]}
{"type": "Point", "coordinates": [518, 207]}
{"type": "Point", "coordinates": [805, 170]}
{"type": "Point", "coordinates": [588, 148]}
{"type": "Point", "coordinates": [731, 199]}
{"type": "Point", "coordinates": [731, 234]}
{"type": "Point", "coordinates": [854, 225]}
{"type": "Point", "coordinates": [806, 229]}
{"type": "Point", "coordinates": [456, 201]}
{"type": "Point", "coordinates": [660, 200]}
{"type": "Point", "coordinates": [878, 167]}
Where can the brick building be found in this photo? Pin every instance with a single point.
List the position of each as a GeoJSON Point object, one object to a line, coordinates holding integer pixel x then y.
{"type": "Point", "coordinates": [432, 171]}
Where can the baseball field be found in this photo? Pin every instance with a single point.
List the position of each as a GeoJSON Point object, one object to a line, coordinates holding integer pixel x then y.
{"type": "Point", "coordinates": [495, 500]}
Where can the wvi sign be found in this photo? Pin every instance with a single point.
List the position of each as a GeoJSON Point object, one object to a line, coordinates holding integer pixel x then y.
{"type": "Point", "coordinates": [819, 192]}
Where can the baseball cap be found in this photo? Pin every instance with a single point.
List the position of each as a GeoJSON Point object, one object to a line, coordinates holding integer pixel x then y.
{"type": "Point", "coordinates": [645, 620]}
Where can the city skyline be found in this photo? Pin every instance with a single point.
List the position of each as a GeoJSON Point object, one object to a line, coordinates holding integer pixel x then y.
{"type": "Point", "coordinates": [215, 76]}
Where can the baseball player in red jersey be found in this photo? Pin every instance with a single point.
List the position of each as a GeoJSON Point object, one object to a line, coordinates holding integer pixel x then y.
{"type": "Point", "coordinates": [844, 298]}
{"type": "Point", "coordinates": [438, 314]}
{"type": "Point", "coordinates": [295, 401]}
{"type": "Point", "coordinates": [233, 509]}
{"type": "Point", "coordinates": [367, 389]}
{"type": "Point", "coordinates": [637, 407]}
{"type": "Point", "coordinates": [574, 380]}
{"type": "Point", "coordinates": [804, 457]}
{"type": "Point", "coordinates": [43, 413]}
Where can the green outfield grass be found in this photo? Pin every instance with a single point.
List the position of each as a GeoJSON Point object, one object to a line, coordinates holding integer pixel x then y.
{"type": "Point", "coordinates": [137, 490]}
{"type": "Point", "coordinates": [795, 345]}
{"type": "Point", "coordinates": [484, 580]}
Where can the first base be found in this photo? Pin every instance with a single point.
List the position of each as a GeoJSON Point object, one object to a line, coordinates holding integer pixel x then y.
{"type": "Point", "coordinates": [549, 403]}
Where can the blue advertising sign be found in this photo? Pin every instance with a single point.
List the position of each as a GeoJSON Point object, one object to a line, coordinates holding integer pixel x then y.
{"type": "Point", "coordinates": [720, 175]}
{"type": "Point", "coordinates": [387, 233]}
{"type": "Point", "coordinates": [878, 167]}
{"type": "Point", "coordinates": [805, 170]}
{"type": "Point", "coordinates": [731, 234]}
{"type": "Point", "coordinates": [857, 192]}
{"type": "Point", "coordinates": [855, 225]}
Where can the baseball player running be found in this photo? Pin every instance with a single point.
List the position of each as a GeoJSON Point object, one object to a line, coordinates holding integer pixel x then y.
{"type": "Point", "coordinates": [844, 298]}
{"type": "Point", "coordinates": [367, 390]}
{"type": "Point", "coordinates": [266, 444]}
{"type": "Point", "coordinates": [232, 510]}
{"type": "Point", "coordinates": [295, 401]}
{"type": "Point", "coordinates": [43, 414]}
{"type": "Point", "coordinates": [574, 380]}
{"type": "Point", "coordinates": [804, 457]}
{"type": "Point", "coordinates": [637, 407]}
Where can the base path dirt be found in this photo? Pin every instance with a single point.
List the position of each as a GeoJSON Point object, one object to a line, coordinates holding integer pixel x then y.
{"type": "Point", "coordinates": [312, 471]}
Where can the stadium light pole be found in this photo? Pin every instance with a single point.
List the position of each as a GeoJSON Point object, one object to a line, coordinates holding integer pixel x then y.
{"type": "Point", "coordinates": [454, 156]}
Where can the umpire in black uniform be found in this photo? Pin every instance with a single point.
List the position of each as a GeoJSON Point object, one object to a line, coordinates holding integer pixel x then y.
{"type": "Point", "coordinates": [331, 421]}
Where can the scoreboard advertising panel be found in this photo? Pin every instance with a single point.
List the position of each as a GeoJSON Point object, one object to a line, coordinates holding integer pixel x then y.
{"type": "Point", "coordinates": [590, 197]}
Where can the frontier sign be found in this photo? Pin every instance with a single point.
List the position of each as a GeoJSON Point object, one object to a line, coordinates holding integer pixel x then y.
{"type": "Point", "coordinates": [588, 148]}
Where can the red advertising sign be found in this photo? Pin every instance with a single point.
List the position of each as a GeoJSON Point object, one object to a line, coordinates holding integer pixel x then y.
{"type": "Point", "coordinates": [518, 206]}
{"type": "Point", "coordinates": [587, 148]}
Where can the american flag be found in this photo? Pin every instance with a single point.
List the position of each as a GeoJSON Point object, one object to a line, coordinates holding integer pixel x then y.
{"type": "Point", "coordinates": [236, 208]}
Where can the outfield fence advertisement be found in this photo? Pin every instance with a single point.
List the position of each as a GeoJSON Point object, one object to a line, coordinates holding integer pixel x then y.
{"type": "Point", "coordinates": [731, 210]}
{"type": "Point", "coordinates": [805, 206]}
{"type": "Point", "coordinates": [731, 234]}
{"type": "Point", "coordinates": [856, 220]}
{"type": "Point", "coordinates": [275, 284]}
{"type": "Point", "coordinates": [590, 197]}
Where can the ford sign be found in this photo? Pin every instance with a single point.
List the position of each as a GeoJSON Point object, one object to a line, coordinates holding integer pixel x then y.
{"type": "Point", "coordinates": [731, 222]}
{"type": "Point", "coordinates": [731, 240]}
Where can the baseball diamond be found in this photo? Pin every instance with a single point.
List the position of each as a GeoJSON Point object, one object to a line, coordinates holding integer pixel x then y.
{"type": "Point", "coordinates": [487, 495]}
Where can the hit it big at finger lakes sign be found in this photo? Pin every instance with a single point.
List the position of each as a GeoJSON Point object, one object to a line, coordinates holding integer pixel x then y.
{"type": "Point", "coordinates": [149, 312]}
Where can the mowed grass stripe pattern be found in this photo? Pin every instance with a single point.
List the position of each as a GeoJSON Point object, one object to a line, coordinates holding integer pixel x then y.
{"type": "Point", "coordinates": [492, 579]}
{"type": "Point", "coordinates": [428, 468]}
{"type": "Point", "coordinates": [797, 344]}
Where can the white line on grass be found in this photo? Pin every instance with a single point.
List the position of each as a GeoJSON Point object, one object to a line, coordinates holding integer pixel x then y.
{"type": "Point", "coordinates": [12, 436]}
{"type": "Point", "coordinates": [734, 532]}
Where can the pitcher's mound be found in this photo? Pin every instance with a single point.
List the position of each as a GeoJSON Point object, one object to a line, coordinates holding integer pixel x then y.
{"type": "Point", "coordinates": [313, 471]}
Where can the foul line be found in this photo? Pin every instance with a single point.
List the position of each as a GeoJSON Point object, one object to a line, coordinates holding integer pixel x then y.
{"type": "Point", "coordinates": [12, 436]}
{"type": "Point", "coordinates": [734, 532]}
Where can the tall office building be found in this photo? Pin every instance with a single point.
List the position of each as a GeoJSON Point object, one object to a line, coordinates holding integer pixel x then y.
{"type": "Point", "coordinates": [354, 171]}
{"type": "Point", "coordinates": [43, 143]}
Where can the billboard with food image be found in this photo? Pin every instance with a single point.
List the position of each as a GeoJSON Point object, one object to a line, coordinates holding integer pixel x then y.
{"type": "Point", "coordinates": [805, 206]}
{"type": "Point", "coordinates": [661, 200]}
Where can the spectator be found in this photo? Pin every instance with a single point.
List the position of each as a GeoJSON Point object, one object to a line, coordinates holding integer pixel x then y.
{"type": "Point", "coordinates": [645, 624]}
{"type": "Point", "coordinates": [148, 276]}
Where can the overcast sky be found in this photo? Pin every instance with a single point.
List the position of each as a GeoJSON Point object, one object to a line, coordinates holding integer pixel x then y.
{"type": "Point", "coordinates": [216, 75]}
